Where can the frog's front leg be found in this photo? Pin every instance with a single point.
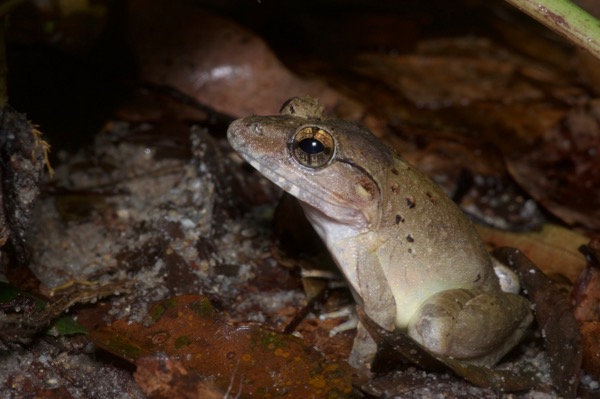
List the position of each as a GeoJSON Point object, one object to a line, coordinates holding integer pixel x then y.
{"type": "Point", "coordinates": [471, 325]}
{"type": "Point", "coordinates": [373, 292]}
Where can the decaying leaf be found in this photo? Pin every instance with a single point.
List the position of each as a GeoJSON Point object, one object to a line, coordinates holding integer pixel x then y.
{"type": "Point", "coordinates": [554, 316]}
{"type": "Point", "coordinates": [161, 376]}
{"type": "Point", "coordinates": [553, 247]}
{"type": "Point", "coordinates": [586, 292]}
{"type": "Point", "coordinates": [261, 362]}
{"type": "Point", "coordinates": [22, 315]}
{"type": "Point", "coordinates": [586, 299]}
{"type": "Point", "coordinates": [560, 170]}
{"type": "Point", "coordinates": [546, 127]}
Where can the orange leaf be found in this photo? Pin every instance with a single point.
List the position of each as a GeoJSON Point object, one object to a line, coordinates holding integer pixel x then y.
{"type": "Point", "coordinates": [260, 361]}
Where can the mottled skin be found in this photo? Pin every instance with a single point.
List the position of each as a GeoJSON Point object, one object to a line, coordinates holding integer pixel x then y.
{"type": "Point", "coordinates": [410, 256]}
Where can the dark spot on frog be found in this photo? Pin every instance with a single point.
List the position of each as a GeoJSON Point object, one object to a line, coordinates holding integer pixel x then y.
{"type": "Point", "coordinates": [410, 238]}
{"type": "Point", "coordinates": [478, 278]}
{"type": "Point", "coordinates": [395, 171]}
{"type": "Point", "coordinates": [410, 202]}
{"type": "Point", "coordinates": [410, 251]}
{"type": "Point", "coordinates": [430, 197]}
{"type": "Point", "coordinates": [399, 219]}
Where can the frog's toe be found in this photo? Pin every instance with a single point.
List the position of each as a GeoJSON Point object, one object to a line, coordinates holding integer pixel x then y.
{"type": "Point", "coordinates": [347, 312]}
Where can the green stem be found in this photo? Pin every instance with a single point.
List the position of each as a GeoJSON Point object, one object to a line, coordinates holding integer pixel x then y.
{"type": "Point", "coordinates": [566, 19]}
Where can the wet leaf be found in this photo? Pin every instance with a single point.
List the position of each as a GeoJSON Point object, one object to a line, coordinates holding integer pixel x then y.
{"type": "Point", "coordinates": [554, 316]}
{"type": "Point", "coordinates": [161, 376]}
{"type": "Point", "coordinates": [271, 363]}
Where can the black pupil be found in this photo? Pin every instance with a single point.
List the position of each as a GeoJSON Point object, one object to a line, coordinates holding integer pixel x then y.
{"type": "Point", "coordinates": [311, 146]}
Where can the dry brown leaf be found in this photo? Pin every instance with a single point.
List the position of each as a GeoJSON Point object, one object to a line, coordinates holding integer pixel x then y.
{"type": "Point", "coordinates": [586, 299]}
{"type": "Point", "coordinates": [218, 62]}
{"type": "Point", "coordinates": [554, 249]}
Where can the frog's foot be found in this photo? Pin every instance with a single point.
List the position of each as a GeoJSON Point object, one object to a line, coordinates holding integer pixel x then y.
{"type": "Point", "coordinates": [473, 326]}
{"type": "Point", "coordinates": [363, 351]}
{"type": "Point", "coordinates": [348, 312]}
{"type": "Point", "coordinates": [509, 281]}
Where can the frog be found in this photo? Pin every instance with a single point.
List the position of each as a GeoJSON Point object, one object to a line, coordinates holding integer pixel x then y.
{"type": "Point", "coordinates": [413, 260]}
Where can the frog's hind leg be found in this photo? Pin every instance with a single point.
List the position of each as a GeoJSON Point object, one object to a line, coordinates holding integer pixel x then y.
{"type": "Point", "coordinates": [471, 325]}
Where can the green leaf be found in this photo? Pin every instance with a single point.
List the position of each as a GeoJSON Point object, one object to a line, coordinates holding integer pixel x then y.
{"type": "Point", "coordinates": [65, 325]}
{"type": "Point", "coordinates": [9, 293]}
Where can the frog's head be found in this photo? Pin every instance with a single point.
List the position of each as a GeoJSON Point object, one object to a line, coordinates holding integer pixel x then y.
{"type": "Point", "coordinates": [333, 167]}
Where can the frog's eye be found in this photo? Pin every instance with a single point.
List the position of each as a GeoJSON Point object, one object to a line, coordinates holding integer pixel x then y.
{"type": "Point", "coordinates": [312, 147]}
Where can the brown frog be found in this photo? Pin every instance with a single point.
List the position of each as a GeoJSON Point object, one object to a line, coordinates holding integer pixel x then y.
{"type": "Point", "coordinates": [410, 256]}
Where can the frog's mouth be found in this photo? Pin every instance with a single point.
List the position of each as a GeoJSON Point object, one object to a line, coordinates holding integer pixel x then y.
{"type": "Point", "coordinates": [333, 207]}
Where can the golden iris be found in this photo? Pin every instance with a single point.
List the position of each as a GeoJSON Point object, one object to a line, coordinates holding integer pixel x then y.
{"type": "Point", "coordinates": [312, 147]}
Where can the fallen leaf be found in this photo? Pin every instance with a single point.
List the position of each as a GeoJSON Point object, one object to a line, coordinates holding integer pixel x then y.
{"type": "Point", "coordinates": [586, 290]}
{"type": "Point", "coordinates": [590, 331]}
{"type": "Point", "coordinates": [160, 376]}
{"type": "Point", "coordinates": [586, 300]}
{"type": "Point", "coordinates": [554, 316]}
{"type": "Point", "coordinates": [218, 62]}
{"type": "Point", "coordinates": [547, 128]}
{"type": "Point", "coordinates": [559, 169]}
{"type": "Point", "coordinates": [23, 314]}
{"type": "Point", "coordinates": [553, 247]}
{"type": "Point", "coordinates": [262, 362]}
